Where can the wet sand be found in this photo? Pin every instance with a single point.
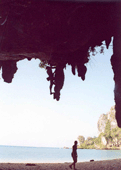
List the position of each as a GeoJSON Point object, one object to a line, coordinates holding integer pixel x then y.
{"type": "Point", "coordinates": [95, 165]}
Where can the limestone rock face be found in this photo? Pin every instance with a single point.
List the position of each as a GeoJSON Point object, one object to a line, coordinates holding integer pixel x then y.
{"type": "Point", "coordinates": [102, 123]}
{"type": "Point", "coordinates": [111, 117]}
{"type": "Point", "coordinates": [103, 140]}
{"type": "Point", "coordinates": [103, 120]}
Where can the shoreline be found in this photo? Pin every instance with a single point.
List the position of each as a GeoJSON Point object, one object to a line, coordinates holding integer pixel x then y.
{"type": "Point", "coordinates": [114, 164]}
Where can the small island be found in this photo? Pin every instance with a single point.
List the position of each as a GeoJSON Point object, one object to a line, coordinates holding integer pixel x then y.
{"type": "Point", "coordinates": [109, 137]}
{"type": "Point", "coordinates": [65, 147]}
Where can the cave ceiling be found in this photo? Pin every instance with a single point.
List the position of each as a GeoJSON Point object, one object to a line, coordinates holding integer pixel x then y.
{"type": "Point", "coordinates": [59, 33]}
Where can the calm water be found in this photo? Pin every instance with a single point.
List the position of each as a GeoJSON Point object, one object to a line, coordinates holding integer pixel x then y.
{"type": "Point", "coordinates": [52, 155]}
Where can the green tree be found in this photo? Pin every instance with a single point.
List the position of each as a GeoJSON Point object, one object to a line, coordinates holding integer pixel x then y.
{"type": "Point", "coordinates": [116, 134]}
{"type": "Point", "coordinates": [89, 141]}
{"type": "Point", "coordinates": [81, 139]}
{"type": "Point", "coordinates": [43, 64]}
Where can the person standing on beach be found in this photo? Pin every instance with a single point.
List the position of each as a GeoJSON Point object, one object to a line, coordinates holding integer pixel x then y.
{"type": "Point", "coordinates": [74, 155]}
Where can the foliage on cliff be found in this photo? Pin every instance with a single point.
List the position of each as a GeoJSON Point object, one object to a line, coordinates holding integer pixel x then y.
{"type": "Point", "coordinates": [109, 133]}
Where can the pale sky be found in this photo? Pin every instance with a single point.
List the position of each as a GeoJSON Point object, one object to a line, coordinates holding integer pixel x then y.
{"type": "Point", "coordinates": [29, 116]}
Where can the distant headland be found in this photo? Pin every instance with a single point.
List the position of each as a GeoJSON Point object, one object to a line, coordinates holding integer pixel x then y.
{"type": "Point", "coordinates": [109, 134]}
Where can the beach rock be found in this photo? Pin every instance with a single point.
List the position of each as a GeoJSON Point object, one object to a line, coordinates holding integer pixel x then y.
{"type": "Point", "coordinates": [30, 164]}
{"type": "Point", "coordinates": [92, 160]}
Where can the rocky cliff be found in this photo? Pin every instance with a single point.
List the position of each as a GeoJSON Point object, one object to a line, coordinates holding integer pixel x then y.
{"type": "Point", "coordinates": [109, 133]}
{"type": "Point", "coordinates": [103, 120]}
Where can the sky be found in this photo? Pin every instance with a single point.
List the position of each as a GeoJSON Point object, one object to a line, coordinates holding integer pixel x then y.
{"type": "Point", "coordinates": [29, 116]}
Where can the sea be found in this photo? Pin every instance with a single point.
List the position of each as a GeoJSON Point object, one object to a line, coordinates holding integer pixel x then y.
{"type": "Point", "coordinates": [21, 154]}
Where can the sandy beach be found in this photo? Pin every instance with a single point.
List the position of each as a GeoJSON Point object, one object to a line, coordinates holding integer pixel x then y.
{"type": "Point", "coordinates": [95, 165]}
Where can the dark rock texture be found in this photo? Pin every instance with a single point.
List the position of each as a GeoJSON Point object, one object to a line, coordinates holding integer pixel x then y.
{"type": "Point", "coordinates": [59, 33]}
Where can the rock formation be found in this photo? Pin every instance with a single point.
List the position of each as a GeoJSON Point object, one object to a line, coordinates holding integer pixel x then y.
{"type": "Point", "coordinates": [109, 134]}
{"type": "Point", "coordinates": [59, 33]}
{"type": "Point", "coordinates": [102, 123]}
{"type": "Point", "coordinates": [103, 120]}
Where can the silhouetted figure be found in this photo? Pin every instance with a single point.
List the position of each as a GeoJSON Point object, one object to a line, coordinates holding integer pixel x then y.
{"type": "Point", "coordinates": [74, 155]}
{"type": "Point", "coordinates": [59, 81]}
{"type": "Point", "coordinates": [51, 77]}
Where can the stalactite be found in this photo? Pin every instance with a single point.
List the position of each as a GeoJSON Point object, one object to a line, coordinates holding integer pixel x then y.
{"type": "Point", "coordinates": [9, 68]}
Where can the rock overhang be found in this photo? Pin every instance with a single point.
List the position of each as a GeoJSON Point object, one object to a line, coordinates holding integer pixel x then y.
{"type": "Point", "coordinates": [59, 33]}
